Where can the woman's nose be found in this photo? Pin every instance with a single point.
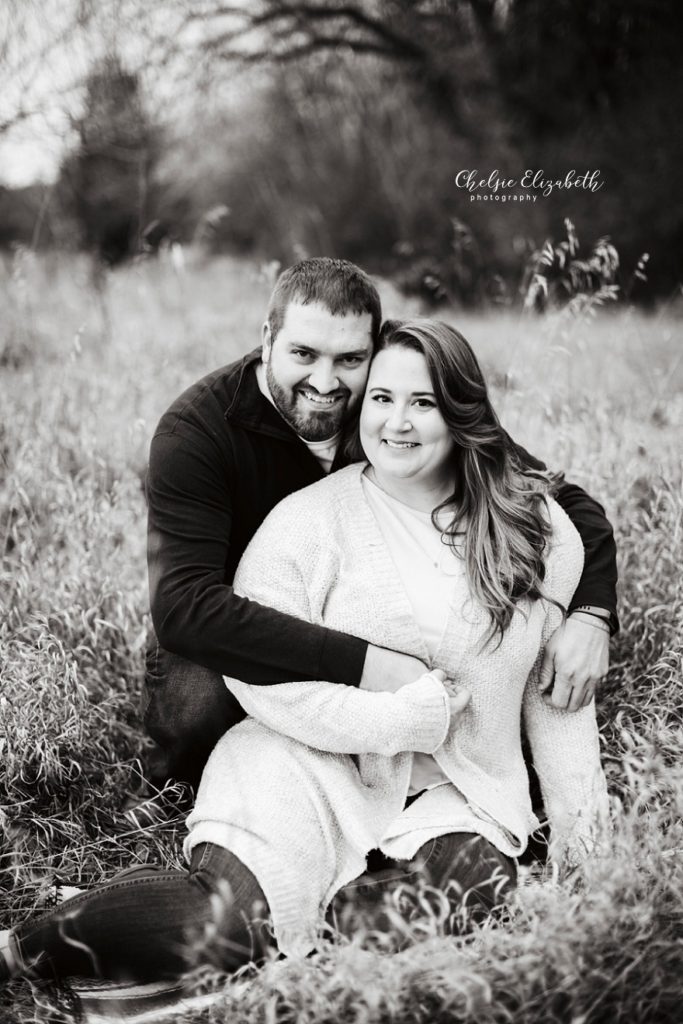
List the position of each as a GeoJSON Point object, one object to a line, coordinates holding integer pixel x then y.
{"type": "Point", "coordinates": [323, 378]}
{"type": "Point", "coordinates": [398, 418]}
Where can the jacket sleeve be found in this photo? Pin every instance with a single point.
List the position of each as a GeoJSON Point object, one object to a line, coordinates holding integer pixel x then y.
{"type": "Point", "coordinates": [340, 719]}
{"type": "Point", "coordinates": [195, 613]}
{"type": "Point", "coordinates": [598, 583]}
{"type": "Point", "coordinates": [565, 745]}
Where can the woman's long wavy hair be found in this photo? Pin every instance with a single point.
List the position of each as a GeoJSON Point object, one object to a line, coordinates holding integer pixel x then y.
{"type": "Point", "coordinates": [498, 494]}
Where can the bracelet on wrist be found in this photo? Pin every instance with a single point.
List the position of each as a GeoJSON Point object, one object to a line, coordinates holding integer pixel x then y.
{"type": "Point", "coordinates": [603, 616]}
{"type": "Point", "coordinates": [594, 625]}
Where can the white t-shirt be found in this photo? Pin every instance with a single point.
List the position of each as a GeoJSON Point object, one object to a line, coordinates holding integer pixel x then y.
{"type": "Point", "coordinates": [324, 451]}
{"type": "Point", "coordinates": [428, 569]}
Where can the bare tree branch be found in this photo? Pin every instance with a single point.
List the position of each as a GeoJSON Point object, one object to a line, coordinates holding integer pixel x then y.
{"type": "Point", "coordinates": [301, 16]}
{"type": "Point", "coordinates": [307, 49]}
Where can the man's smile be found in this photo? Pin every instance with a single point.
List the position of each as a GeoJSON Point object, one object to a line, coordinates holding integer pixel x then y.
{"type": "Point", "coordinates": [320, 401]}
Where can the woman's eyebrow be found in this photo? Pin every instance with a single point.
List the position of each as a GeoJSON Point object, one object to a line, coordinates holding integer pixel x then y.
{"type": "Point", "coordinates": [414, 394]}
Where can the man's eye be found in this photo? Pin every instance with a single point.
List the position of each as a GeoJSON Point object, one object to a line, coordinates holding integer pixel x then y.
{"type": "Point", "coordinates": [301, 353]}
{"type": "Point", "coordinates": [353, 360]}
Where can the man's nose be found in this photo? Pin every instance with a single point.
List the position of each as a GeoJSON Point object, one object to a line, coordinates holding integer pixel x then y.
{"type": "Point", "coordinates": [323, 378]}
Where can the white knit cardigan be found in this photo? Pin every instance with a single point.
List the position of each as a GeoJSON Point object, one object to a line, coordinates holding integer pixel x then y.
{"type": "Point", "coordinates": [318, 774]}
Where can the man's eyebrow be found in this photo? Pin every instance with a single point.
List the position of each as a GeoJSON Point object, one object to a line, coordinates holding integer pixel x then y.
{"type": "Point", "coordinates": [355, 352]}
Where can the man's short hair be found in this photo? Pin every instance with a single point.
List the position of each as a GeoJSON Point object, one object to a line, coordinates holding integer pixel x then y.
{"type": "Point", "coordinates": [340, 286]}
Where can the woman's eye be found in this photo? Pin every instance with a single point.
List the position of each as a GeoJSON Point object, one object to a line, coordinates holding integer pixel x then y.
{"type": "Point", "coordinates": [382, 399]}
{"type": "Point", "coordinates": [424, 403]}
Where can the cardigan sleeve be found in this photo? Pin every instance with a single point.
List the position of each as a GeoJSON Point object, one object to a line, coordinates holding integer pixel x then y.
{"type": "Point", "coordinates": [566, 751]}
{"type": "Point", "coordinates": [288, 555]}
{"type": "Point", "coordinates": [345, 720]}
{"type": "Point", "coordinates": [565, 745]}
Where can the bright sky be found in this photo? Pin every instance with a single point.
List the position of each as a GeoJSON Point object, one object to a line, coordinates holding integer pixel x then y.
{"type": "Point", "coordinates": [46, 49]}
{"type": "Point", "coordinates": [31, 153]}
{"type": "Point", "coordinates": [36, 66]}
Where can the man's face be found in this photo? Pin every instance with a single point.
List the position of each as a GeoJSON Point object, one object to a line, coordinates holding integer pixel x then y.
{"type": "Point", "coordinates": [317, 367]}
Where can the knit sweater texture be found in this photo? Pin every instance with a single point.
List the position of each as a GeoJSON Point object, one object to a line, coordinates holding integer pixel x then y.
{"type": "Point", "coordinates": [318, 774]}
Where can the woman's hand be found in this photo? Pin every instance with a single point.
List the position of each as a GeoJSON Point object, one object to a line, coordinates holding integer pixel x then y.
{"type": "Point", "coordinates": [574, 661]}
{"type": "Point", "coordinates": [458, 701]}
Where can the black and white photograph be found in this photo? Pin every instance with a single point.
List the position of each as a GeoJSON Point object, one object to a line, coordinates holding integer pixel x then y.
{"type": "Point", "coordinates": [341, 512]}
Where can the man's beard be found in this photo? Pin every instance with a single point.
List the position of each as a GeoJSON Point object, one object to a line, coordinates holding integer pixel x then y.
{"type": "Point", "coordinates": [310, 425]}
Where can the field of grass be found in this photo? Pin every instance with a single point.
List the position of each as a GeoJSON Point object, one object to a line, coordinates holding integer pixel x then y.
{"type": "Point", "coordinates": [85, 373]}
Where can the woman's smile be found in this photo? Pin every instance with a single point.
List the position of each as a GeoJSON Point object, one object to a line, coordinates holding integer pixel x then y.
{"type": "Point", "coordinates": [401, 445]}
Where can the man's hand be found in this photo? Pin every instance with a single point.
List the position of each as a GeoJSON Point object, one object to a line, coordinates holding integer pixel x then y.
{"type": "Point", "coordinates": [388, 671]}
{"type": "Point", "coordinates": [575, 660]}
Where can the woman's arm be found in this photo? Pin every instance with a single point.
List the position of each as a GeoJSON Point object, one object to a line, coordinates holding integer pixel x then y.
{"type": "Point", "coordinates": [289, 566]}
{"type": "Point", "coordinates": [345, 720]}
{"type": "Point", "coordinates": [565, 747]}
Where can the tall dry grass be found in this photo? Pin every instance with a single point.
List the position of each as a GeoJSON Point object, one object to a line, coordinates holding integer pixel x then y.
{"type": "Point", "coordinates": [86, 369]}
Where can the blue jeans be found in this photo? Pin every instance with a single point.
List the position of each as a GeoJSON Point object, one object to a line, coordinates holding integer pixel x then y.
{"type": "Point", "coordinates": [188, 710]}
{"type": "Point", "coordinates": [147, 924]}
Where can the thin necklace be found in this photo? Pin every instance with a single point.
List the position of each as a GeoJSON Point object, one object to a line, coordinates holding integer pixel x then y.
{"type": "Point", "coordinates": [416, 537]}
{"type": "Point", "coordinates": [372, 476]}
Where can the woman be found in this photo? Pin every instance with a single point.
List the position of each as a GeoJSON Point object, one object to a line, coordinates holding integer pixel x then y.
{"type": "Point", "coordinates": [441, 546]}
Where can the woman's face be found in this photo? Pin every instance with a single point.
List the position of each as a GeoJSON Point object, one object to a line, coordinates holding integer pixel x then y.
{"type": "Point", "coordinates": [402, 430]}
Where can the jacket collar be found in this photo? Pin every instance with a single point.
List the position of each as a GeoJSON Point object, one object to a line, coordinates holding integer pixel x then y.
{"type": "Point", "coordinates": [248, 407]}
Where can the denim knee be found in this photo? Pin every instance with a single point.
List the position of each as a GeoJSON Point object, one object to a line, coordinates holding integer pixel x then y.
{"type": "Point", "coordinates": [470, 869]}
{"type": "Point", "coordinates": [241, 920]}
{"type": "Point", "coordinates": [212, 865]}
{"type": "Point", "coordinates": [188, 709]}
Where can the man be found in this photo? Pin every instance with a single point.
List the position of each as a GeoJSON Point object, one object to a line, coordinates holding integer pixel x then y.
{"type": "Point", "coordinates": [228, 450]}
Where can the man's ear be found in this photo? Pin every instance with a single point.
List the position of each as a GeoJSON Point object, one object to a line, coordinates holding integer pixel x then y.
{"type": "Point", "coordinates": [267, 342]}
